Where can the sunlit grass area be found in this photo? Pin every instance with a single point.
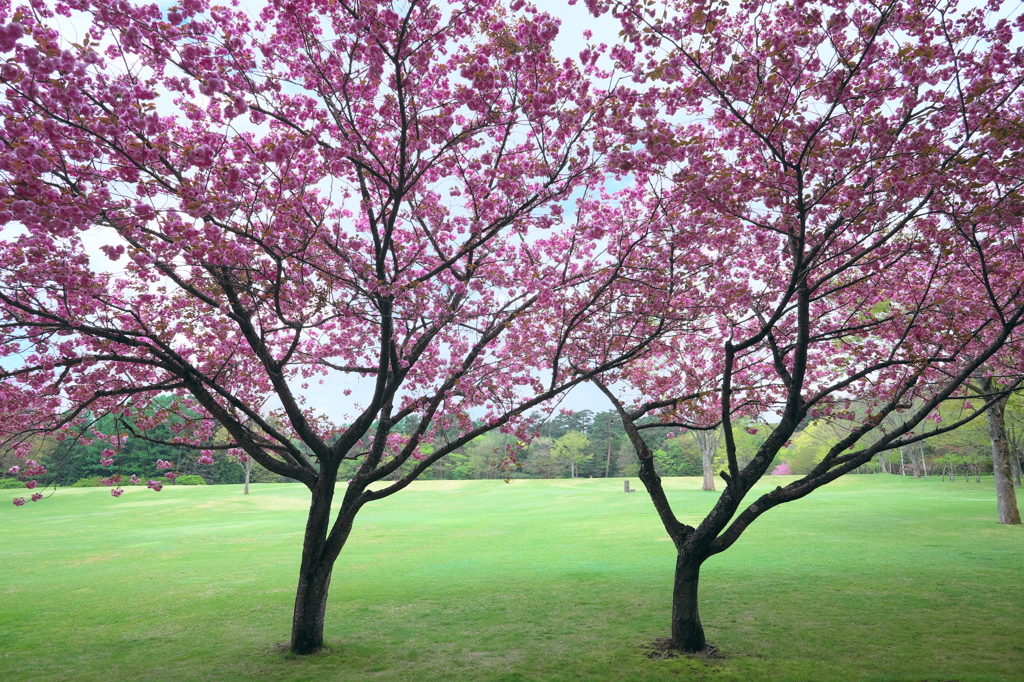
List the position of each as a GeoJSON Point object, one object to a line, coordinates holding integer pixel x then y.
{"type": "Point", "coordinates": [873, 577]}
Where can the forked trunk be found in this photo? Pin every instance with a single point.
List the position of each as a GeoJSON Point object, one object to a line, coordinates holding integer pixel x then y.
{"type": "Point", "coordinates": [319, 552]}
{"type": "Point", "coordinates": [687, 631]}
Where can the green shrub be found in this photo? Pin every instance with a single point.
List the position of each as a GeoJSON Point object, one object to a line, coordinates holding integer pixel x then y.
{"type": "Point", "coordinates": [91, 482]}
{"type": "Point", "coordinates": [11, 483]}
{"type": "Point", "coordinates": [190, 480]}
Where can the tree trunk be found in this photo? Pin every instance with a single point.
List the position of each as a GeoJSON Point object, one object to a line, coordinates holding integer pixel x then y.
{"type": "Point", "coordinates": [310, 605]}
{"type": "Point", "coordinates": [1015, 466]}
{"type": "Point", "coordinates": [708, 470]}
{"type": "Point", "coordinates": [248, 472]}
{"type": "Point", "coordinates": [707, 441]}
{"type": "Point", "coordinates": [1006, 497]}
{"type": "Point", "coordinates": [319, 551]}
{"type": "Point", "coordinates": [913, 463]}
{"type": "Point", "coordinates": [687, 631]}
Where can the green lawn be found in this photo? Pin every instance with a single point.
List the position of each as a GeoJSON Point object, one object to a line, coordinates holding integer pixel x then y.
{"type": "Point", "coordinates": [873, 577]}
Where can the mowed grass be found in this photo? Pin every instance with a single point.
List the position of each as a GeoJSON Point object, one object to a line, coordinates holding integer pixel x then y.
{"type": "Point", "coordinates": [872, 577]}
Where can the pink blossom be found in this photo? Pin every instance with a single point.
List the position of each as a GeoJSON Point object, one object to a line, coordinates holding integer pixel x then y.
{"type": "Point", "coordinates": [206, 459]}
{"type": "Point", "coordinates": [31, 484]}
{"type": "Point", "coordinates": [161, 464]}
{"type": "Point", "coordinates": [18, 501]}
{"type": "Point", "coordinates": [134, 480]}
{"type": "Point", "coordinates": [117, 492]}
{"type": "Point", "coordinates": [36, 497]}
{"type": "Point", "coordinates": [9, 35]}
{"type": "Point", "coordinates": [155, 485]}
{"type": "Point", "coordinates": [33, 469]}
{"type": "Point", "coordinates": [13, 470]}
{"type": "Point", "coordinates": [171, 475]}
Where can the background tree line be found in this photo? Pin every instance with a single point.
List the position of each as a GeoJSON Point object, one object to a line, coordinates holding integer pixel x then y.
{"type": "Point", "coordinates": [76, 460]}
{"type": "Point", "coordinates": [582, 444]}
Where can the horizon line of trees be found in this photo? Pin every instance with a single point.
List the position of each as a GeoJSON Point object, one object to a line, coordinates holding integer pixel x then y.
{"type": "Point", "coordinates": [580, 444]}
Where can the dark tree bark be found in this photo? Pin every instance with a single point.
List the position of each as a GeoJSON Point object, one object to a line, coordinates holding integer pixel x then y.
{"type": "Point", "coordinates": [311, 605]}
{"type": "Point", "coordinates": [315, 572]}
{"type": "Point", "coordinates": [687, 631]}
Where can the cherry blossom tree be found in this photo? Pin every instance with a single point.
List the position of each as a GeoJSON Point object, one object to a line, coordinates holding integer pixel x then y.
{"type": "Point", "coordinates": [855, 168]}
{"type": "Point", "coordinates": [222, 209]}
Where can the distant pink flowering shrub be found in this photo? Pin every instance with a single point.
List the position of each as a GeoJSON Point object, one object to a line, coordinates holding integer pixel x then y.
{"type": "Point", "coordinates": [782, 470]}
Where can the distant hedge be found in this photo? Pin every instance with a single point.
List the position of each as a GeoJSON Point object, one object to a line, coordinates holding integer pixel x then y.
{"type": "Point", "coordinates": [190, 480]}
